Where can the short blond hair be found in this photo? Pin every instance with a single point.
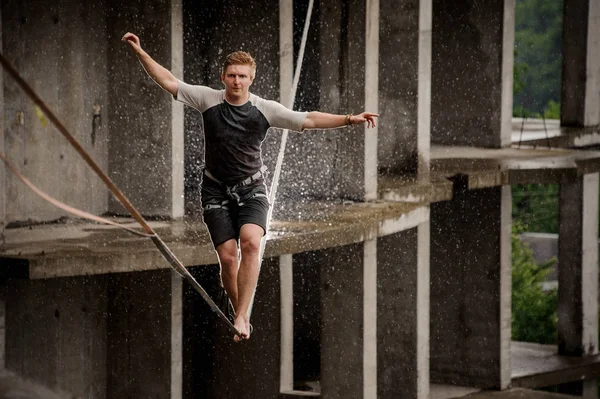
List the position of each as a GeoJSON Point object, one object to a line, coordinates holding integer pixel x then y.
{"type": "Point", "coordinates": [239, 58]}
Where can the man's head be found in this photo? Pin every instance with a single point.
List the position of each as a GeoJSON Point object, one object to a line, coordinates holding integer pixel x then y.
{"type": "Point", "coordinates": [237, 76]}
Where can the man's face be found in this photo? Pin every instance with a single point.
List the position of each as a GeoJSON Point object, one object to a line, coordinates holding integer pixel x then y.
{"type": "Point", "coordinates": [237, 80]}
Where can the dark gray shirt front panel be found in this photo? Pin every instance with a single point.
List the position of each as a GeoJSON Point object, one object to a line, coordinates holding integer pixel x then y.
{"type": "Point", "coordinates": [234, 133]}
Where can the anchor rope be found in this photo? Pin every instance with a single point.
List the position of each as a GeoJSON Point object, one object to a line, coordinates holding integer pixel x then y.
{"type": "Point", "coordinates": [284, 137]}
{"type": "Point", "coordinates": [162, 247]}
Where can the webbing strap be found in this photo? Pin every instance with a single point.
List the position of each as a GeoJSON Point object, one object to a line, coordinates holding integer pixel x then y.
{"type": "Point", "coordinates": [162, 247]}
{"type": "Point", "coordinates": [284, 136]}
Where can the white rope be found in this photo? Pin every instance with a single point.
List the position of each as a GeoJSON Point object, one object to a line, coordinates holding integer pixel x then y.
{"type": "Point", "coordinates": [284, 137]}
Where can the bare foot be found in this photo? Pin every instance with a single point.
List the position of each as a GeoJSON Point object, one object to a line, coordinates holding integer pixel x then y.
{"type": "Point", "coordinates": [242, 324]}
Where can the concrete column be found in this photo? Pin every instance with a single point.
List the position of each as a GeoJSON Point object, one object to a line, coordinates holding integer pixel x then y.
{"type": "Point", "coordinates": [578, 267]}
{"type": "Point", "coordinates": [144, 335]}
{"type": "Point", "coordinates": [405, 86]}
{"type": "Point", "coordinates": [56, 333]}
{"type": "Point", "coordinates": [580, 95]}
{"type": "Point", "coordinates": [472, 72]}
{"type": "Point", "coordinates": [2, 167]}
{"type": "Point", "coordinates": [146, 129]}
{"type": "Point", "coordinates": [471, 288]}
{"type": "Point", "coordinates": [403, 314]}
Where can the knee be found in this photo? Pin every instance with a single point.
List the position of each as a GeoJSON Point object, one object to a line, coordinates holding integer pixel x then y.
{"type": "Point", "coordinates": [250, 246]}
{"type": "Point", "coordinates": [228, 260]}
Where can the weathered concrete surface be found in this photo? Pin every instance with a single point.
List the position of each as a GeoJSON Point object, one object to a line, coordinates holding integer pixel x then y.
{"type": "Point", "coordinates": [470, 288]}
{"type": "Point", "coordinates": [403, 314]}
{"type": "Point", "coordinates": [2, 167]}
{"type": "Point", "coordinates": [549, 133]}
{"type": "Point", "coordinates": [69, 72]}
{"type": "Point", "coordinates": [14, 387]}
{"type": "Point", "coordinates": [146, 129]}
{"type": "Point", "coordinates": [578, 277]}
{"type": "Point", "coordinates": [404, 85]}
{"type": "Point", "coordinates": [76, 249]}
{"type": "Point", "coordinates": [495, 167]}
{"type": "Point", "coordinates": [144, 335]}
{"type": "Point", "coordinates": [517, 394]}
{"type": "Point", "coordinates": [580, 95]}
{"type": "Point", "coordinates": [56, 333]}
{"type": "Point", "coordinates": [471, 100]}
{"type": "Point", "coordinates": [537, 366]}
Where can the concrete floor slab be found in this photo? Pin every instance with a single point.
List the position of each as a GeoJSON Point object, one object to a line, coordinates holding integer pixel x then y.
{"type": "Point", "coordinates": [517, 394]}
{"type": "Point", "coordinates": [83, 248]}
{"type": "Point", "coordinates": [549, 133]}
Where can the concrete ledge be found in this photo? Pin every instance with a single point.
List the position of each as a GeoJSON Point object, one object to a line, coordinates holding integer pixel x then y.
{"type": "Point", "coordinates": [82, 248]}
{"type": "Point", "coordinates": [486, 167]}
{"type": "Point", "coordinates": [14, 386]}
{"type": "Point", "coordinates": [536, 366]}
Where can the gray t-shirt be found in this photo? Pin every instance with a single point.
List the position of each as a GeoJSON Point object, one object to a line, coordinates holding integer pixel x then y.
{"type": "Point", "coordinates": [234, 133]}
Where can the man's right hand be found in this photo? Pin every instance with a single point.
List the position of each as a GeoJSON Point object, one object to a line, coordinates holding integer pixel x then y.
{"type": "Point", "coordinates": [133, 41]}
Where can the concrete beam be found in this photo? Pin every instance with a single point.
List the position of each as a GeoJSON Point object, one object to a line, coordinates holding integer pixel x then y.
{"type": "Point", "coordinates": [472, 73]}
{"type": "Point", "coordinates": [146, 128]}
{"type": "Point", "coordinates": [580, 95]}
{"type": "Point", "coordinates": [144, 335]}
{"type": "Point", "coordinates": [471, 288]}
{"type": "Point", "coordinates": [578, 267]}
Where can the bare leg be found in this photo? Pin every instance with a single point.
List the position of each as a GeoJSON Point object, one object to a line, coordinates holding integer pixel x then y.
{"type": "Point", "coordinates": [250, 236]}
{"type": "Point", "coordinates": [228, 258]}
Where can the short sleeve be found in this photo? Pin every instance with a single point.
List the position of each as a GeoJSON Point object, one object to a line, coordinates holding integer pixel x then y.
{"type": "Point", "coordinates": [282, 117]}
{"type": "Point", "coordinates": [199, 97]}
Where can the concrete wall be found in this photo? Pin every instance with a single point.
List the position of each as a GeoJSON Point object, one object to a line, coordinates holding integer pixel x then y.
{"type": "Point", "coordinates": [472, 67]}
{"type": "Point", "coordinates": [146, 128]}
{"type": "Point", "coordinates": [2, 167]}
{"type": "Point", "coordinates": [60, 48]}
{"type": "Point", "coordinates": [56, 333]}
{"type": "Point", "coordinates": [470, 288]}
{"type": "Point", "coordinates": [580, 96]}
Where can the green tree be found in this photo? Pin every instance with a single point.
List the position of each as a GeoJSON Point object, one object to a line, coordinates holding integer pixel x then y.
{"type": "Point", "coordinates": [538, 55]}
{"type": "Point", "coordinates": [534, 315]}
{"type": "Point", "coordinates": [535, 207]}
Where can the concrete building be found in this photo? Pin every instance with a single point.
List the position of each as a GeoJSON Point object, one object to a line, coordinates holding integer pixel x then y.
{"type": "Point", "coordinates": [387, 270]}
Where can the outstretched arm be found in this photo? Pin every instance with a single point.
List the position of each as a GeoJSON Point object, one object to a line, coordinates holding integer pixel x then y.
{"type": "Point", "coordinates": [162, 76]}
{"type": "Point", "coordinates": [322, 120]}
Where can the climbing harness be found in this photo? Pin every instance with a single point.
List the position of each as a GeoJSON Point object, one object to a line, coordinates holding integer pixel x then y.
{"type": "Point", "coordinates": [149, 232]}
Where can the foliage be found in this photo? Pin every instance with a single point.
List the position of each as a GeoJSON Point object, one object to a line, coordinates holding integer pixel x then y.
{"type": "Point", "coordinates": [538, 55]}
{"type": "Point", "coordinates": [535, 207]}
{"type": "Point", "coordinates": [534, 316]}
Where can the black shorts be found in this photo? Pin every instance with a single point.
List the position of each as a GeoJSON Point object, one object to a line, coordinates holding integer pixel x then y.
{"type": "Point", "coordinates": [226, 210]}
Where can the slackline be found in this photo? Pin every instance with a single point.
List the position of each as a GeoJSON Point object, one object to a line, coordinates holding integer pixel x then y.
{"type": "Point", "coordinates": [150, 233]}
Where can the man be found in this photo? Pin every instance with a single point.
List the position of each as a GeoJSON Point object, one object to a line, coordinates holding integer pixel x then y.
{"type": "Point", "coordinates": [234, 196]}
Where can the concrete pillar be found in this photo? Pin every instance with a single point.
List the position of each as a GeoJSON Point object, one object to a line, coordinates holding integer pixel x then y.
{"type": "Point", "coordinates": [403, 314]}
{"type": "Point", "coordinates": [340, 75]}
{"type": "Point", "coordinates": [405, 86]}
{"type": "Point", "coordinates": [2, 150]}
{"type": "Point", "coordinates": [578, 267]}
{"type": "Point", "coordinates": [56, 333]}
{"type": "Point", "coordinates": [471, 288]}
{"type": "Point", "coordinates": [144, 335]}
{"type": "Point", "coordinates": [146, 127]}
{"type": "Point", "coordinates": [472, 72]}
{"type": "Point", "coordinates": [580, 95]}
